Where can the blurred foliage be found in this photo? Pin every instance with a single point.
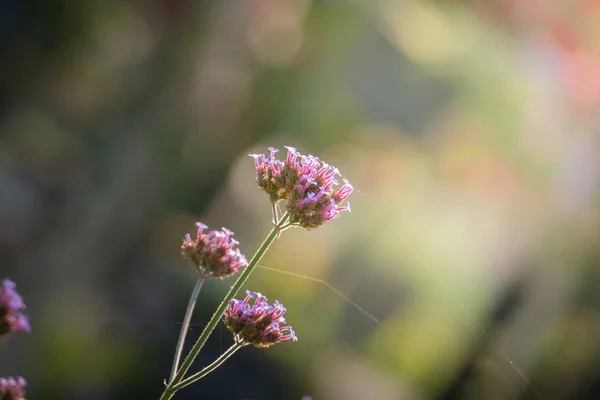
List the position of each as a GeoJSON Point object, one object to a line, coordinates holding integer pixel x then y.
{"type": "Point", "coordinates": [469, 129]}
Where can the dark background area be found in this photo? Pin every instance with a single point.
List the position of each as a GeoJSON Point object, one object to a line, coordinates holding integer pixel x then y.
{"type": "Point", "coordinates": [469, 129]}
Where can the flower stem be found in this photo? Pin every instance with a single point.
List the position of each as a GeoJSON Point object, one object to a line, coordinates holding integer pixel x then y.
{"type": "Point", "coordinates": [221, 309]}
{"type": "Point", "coordinates": [205, 371]}
{"type": "Point", "coordinates": [186, 323]}
{"type": "Point", "coordinates": [275, 213]}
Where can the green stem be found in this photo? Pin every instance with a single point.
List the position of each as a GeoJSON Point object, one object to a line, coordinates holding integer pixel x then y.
{"type": "Point", "coordinates": [210, 368]}
{"type": "Point", "coordinates": [275, 213]}
{"type": "Point", "coordinates": [221, 309]}
{"type": "Point", "coordinates": [186, 323]}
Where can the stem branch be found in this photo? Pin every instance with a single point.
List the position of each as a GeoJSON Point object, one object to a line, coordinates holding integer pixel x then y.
{"type": "Point", "coordinates": [169, 390]}
{"type": "Point", "coordinates": [205, 371]}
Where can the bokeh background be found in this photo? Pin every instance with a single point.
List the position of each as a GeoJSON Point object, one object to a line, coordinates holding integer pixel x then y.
{"type": "Point", "coordinates": [470, 130]}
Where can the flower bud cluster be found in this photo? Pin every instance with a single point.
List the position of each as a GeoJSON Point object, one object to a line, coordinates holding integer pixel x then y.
{"type": "Point", "coordinates": [11, 317]}
{"type": "Point", "coordinates": [12, 388]}
{"type": "Point", "coordinates": [258, 323]}
{"type": "Point", "coordinates": [214, 253]}
{"type": "Point", "coordinates": [308, 184]}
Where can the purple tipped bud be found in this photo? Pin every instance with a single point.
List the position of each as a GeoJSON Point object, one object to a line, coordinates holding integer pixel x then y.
{"type": "Point", "coordinates": [291, 156]}
{"type": "Point", "coordinates": [249, 295]}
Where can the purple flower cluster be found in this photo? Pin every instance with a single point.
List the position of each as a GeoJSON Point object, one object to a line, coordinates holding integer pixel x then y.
{"type": "Point", "coordinates": [12, 388]}
{"type": "Point", "coordinates": [308, 185]}
{"type": "Point", "coordinates": [11, 304]}
{"type": "Point", "coordinates": [213, 253]}
{"type": "Point", "coordinates": [258, 323]}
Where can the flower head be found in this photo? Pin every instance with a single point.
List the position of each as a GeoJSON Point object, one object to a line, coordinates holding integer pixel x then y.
{"type": "Point", "coordinates": [11, 304]}
{"type": "Point", "coordinates": [12, 388]}
{"type": "Point", "coordinates": [308, 184]}
{"type": "Point", "coordinates": [258, 323]}
{"type": "Point", "coordinates": [214, 253]}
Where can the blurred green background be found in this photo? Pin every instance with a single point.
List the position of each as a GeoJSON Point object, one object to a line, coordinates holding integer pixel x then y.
{"type": "Point", "coordinates": [469, 129]}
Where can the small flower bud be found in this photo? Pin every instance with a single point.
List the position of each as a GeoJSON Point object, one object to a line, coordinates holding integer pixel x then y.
{"type": "Point", "coordinates": [11, 304]}
{"type": "Point", "coordinates": [258, 323]}
{"type": "Point", "coordinates": [213, 253]}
